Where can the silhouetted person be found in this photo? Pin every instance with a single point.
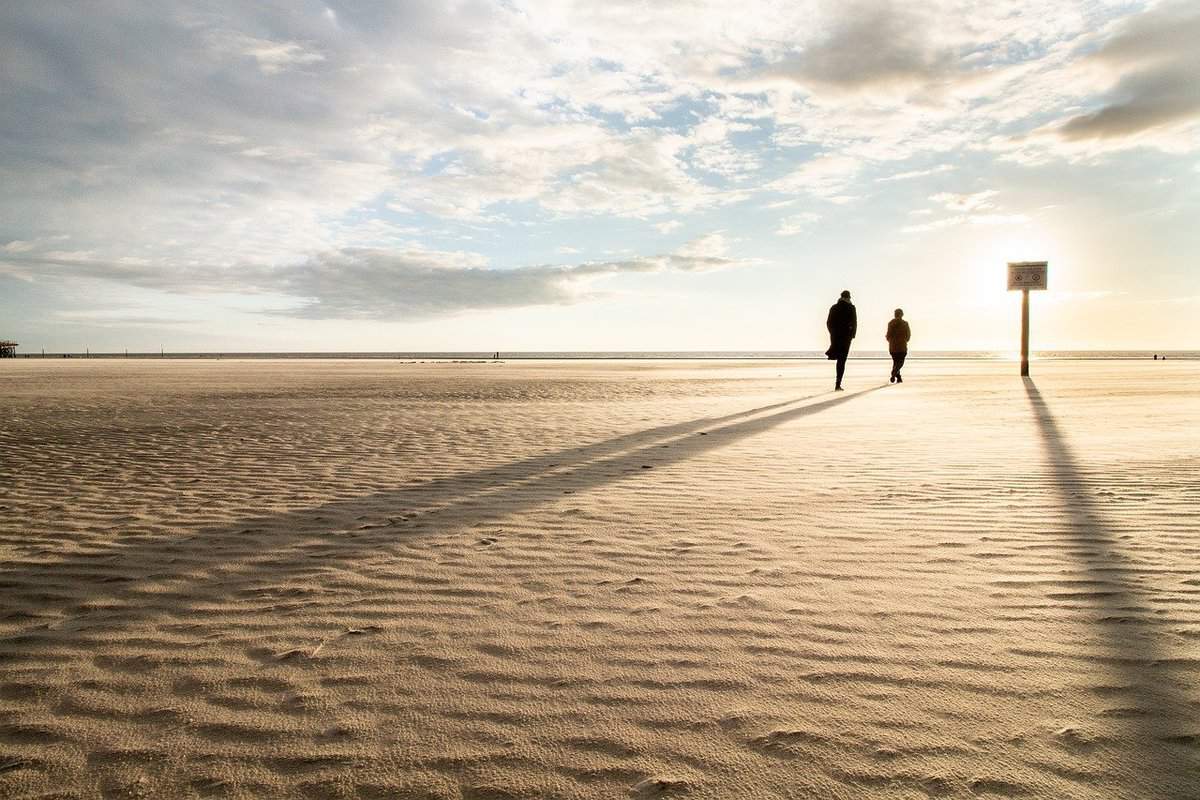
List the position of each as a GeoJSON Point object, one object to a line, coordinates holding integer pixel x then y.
{"type": "Point", "coordinates": [898, 335]}
{"type": "Point", "coordinates": [842, 323]}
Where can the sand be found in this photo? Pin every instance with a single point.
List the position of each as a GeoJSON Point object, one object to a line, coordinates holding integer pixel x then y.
{"type": "Point", "coordinates": [327, 579]}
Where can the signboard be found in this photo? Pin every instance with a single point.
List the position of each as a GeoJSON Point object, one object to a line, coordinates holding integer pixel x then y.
{"type": "Point", "coordinates": [1027, 275]}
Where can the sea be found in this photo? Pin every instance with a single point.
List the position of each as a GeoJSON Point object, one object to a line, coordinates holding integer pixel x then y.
{"type": "Point", "coordinates": [654, 355]}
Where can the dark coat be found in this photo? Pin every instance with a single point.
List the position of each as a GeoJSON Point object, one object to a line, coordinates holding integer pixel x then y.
{"type": "Point", "coordinates": [842, 323]}
{"type": "Point", "coordinates": [898, 334]}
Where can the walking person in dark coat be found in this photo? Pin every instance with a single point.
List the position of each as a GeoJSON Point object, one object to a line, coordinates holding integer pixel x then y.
{"type": "Point", "coordinates": [898, 335]}
{"type": "Point", "coordinates": [842, 323]}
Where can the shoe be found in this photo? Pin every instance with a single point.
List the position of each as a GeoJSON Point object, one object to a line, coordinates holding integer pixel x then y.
{"type": "Point", "coordinates": [838, 389]}
{"type": "Point", "coordinates": [893, 380]}
{"type": "Point", "coordinates": [899, 379]}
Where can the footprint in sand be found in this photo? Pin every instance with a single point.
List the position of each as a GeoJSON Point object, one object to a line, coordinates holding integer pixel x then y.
{"type": "Point", "coordinates": [13, 764]}
{"type": "Point", "coordinates": [660, 787]}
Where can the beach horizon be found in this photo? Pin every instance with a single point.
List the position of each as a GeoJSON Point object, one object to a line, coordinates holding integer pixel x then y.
{"type": "Point", "coordinates": [619, 355]}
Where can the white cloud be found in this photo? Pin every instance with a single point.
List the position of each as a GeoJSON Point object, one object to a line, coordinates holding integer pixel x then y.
{"type": "Point", "coordinates": [917, 173]}
{"type": "Point", "coordinates": [796, 223]}
{"type": "Point", "coordinates": [180, 136]}
{"type": "Point", "coordinates": [271, 56]}
{"type": "Point", "coordinates": [366, 283]}
{"type": "Point", "coordinates": [712, 246]}
{"type": "Point", "coordinates": [927, 227]}
{"type": "Point", "coordinates": [1129, 84]}
{"type": "Point", "coordinates": [875, 49]}
{"type": "Point", "coordinates": [965, 202]}
{"type": "Point", "coordinates": [1153, 67]}
{"type": "Point", "coordinates": [824, 176]}
{"type": "Point", "coordinates": [975, 208]}
{"type": "Point", "coordinates": [997, 219]}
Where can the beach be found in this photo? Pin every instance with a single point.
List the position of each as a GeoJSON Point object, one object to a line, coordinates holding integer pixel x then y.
{"type": "Point", "coordinates": [598, 579]}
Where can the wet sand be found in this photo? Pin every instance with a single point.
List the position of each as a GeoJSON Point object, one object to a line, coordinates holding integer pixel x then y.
{"type": "Point", "coordinates": [341, 579]}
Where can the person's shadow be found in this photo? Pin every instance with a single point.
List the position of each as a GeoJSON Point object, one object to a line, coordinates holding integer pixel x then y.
{"type": "Point", "coordinates": [1161, 732]}
{"type": "Point", "coordinates": [148, 578]}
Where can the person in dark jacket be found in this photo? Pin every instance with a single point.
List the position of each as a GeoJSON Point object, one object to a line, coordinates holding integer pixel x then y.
{"type": "Point", "coordinates": [842, 323]}
{"type": "Point", "coordinates": [898, 335]}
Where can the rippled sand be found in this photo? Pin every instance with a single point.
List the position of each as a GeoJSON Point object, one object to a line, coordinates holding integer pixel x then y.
{"type": "Point", "coordinates": [596, 580]}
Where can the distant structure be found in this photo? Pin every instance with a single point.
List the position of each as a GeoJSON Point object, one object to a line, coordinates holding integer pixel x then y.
{"type": "Point", "coordinates": [8, 349]}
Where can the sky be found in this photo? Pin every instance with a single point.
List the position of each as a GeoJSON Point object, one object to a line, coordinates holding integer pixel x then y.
{"type": "Point", "coordinates": [542, 175]}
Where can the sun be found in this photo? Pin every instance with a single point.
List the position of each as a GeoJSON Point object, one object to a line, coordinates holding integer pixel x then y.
{"type": "Point", "coordinates": [989, 254]}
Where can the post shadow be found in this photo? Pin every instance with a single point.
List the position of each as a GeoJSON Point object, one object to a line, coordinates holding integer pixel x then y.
{"type": "Point", "coordinates": [147, 579]}
{"type": "Point", "coordinates": [1157, 737]}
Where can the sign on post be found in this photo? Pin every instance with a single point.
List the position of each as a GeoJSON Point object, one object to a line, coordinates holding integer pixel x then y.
{"type": "Point", "coordinates": [1026, 275]}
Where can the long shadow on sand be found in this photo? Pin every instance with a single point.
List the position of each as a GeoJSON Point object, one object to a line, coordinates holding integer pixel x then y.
{"type": "Point", "coordinates": [1156, 719]}
{"type": "Point", "coordinates": [139, 579]}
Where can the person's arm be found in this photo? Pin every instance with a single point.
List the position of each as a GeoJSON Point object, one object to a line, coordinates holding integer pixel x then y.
{"type": "Point", "coordinates": [829, 320]}
{"type": "Point", "coordinates": [907, 333]}
{"type": "Point", "coordinates": [853, 322]}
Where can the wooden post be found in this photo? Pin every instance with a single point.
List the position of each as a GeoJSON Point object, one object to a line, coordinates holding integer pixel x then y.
{"type": "Point", "coordinates": [1024, 333]}
{"type": "Point", "coordinates": [1026, 275]}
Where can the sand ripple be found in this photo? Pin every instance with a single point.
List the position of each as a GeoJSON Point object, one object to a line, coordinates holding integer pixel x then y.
{"type": "Point", "coordinates": [379, 580]}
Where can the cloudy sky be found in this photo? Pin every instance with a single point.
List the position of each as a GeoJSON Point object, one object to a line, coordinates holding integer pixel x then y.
{"type": "Point", "coordinates": [625, 175]}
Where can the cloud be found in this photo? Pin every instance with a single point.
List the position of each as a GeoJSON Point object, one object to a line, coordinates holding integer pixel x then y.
{"type": "Point", "coordinates": [272, 56]}
{"type": "Point", "coordinates": [1155, 63]}
{"type": "Point", "coordinates": [917, 173]}
{"type": "Point", "coordinates": [252, 133]}
{"type": "Point", "coordinates": [711, 247]}
{"type": "Point", "coordinates": [965, 202]}
{"type": "Point", "coordinates": [642, 174]}
{"type": "Point", "coordinates": [796, 223]}
{"type": "Point", "coordinates": [372, 284]}
{"type": "Point", "coordinates": [1129, 84]}
{"type": "Point", "coordinates": [938, 224]}
{"type": "Point", "coordinates": [117, 318]}
{"type": "Point", "coordinates": [997, 219]}
{"type": "Point", "coordinates": [872, 47]}
{"type": "Point", "coordinates": [974, 208]}
{"type": "Point", "coordinates": [174, 136]}
{"type": "Point", "coordinates": [363, 283]}
{"type": "Point", "coordinates": [825, 176]}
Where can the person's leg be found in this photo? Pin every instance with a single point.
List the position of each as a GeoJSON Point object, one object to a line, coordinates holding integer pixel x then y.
{"type": "Point", "coordinates": [895, 366]}
{"type": "Point", "coordinates": [841, 370]}
{"type": "Point", "coordinates": [899, 359]}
